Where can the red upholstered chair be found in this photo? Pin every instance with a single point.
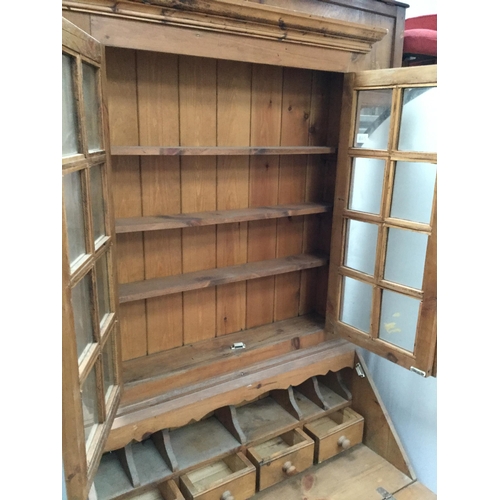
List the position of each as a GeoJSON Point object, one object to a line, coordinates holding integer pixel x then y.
{"type": "Point", "coordinates": [420, 41]}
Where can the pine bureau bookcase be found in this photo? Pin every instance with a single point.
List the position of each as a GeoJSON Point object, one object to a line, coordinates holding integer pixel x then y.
{"type": "Point", "coordinates": [243, 192]}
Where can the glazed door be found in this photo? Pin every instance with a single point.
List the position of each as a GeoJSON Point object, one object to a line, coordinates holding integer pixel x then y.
{"type": "Point", "coordinates": [90, 344]}
{"type": "Point", "coordinates": [382, 284]}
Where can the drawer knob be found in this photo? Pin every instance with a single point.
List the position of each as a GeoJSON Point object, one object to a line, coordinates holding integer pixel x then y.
{"type": "Point", "coordinates": [289, 469]}
{"type": "Point", "coordinates": [344, 442]}
{"type": "Point", "coordinates": [227, 496]}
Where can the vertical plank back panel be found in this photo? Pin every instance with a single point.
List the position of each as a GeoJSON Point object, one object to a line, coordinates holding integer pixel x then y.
{"type": "Point", "coordinates": [313, 285]}
{"type": "Point", "coordinates": [158, 100]}
{"type": "Point", "coordinates": [122, 103]}
{"type": "Point", "coordinates": [198, 112]}
{"type": "Point", "coordinates": [233, 129]}
{"type": "Point", "coordinates": [296, 110]}
{"type": "Point", "coordinates": [267, 87]}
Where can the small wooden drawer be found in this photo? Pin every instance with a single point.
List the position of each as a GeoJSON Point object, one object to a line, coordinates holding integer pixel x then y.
{"type": "Point", "coordinates": [170, 491]}
{"type": "Point", "coordinates": [335, 433]}
{"type": "Point", "coordinates": [231, 478]}
{"type": "Point", "coordinates": [285, 455]}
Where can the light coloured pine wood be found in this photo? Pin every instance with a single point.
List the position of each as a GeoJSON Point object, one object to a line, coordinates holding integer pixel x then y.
{"type": "Point", "coordinates": [352, 475]}
{"type": "Point", "coordinates": [415, 491]}
{"type": "Point", "coordinates": [182, 406]}
{"type": "Point", "coordinates": [267, 83]}
{"type": "Point", "coordinates": [126, 183]}
{"type": "Point", "coordinates": [335, 433]}
{"type": "Point", "coordinates": [198, 105]}
{"type": "Point", "coordinates": [221, 150]}
{"type": "Point", "coordinates": [233, 128]}
{"type": "Point", "coordinates": [380, 434]}
{"type": "Point", "coordinates": [296, 109]}
{"type": "Point", "coordinates": [147, 377]}
{"type": "Point", "coordinates": [197, 280]}
{"type": "Point", "coordinates": [178, 221]}
{"type": "Point", "coordinates": [282, 456]}
{"type": "Point", "coordinates": [158, 109]}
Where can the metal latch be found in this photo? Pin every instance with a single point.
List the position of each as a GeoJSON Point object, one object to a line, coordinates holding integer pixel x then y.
{"type": "Point", "coordinates": [238, 345]}
{"type": "Point", "coordinates": [359, 370]}
{"type": "Point", "coordinates": [417, 371]}
{"type": "Point", "coordinates": [385, 494]}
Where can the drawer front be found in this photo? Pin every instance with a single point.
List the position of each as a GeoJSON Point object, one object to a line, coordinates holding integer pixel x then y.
{"type": "Point", "coordinates": [335, 443]}
{"type": "Point", "coordinates": [278, 466]}
{"type": "Point", "coordinates": [276, 470]}
{"type": "Point", "coordinates": [239, 485]}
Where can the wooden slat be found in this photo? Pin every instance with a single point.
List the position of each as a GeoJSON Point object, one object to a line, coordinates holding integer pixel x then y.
{"type": "Point", "coordinates": [209, 278]}
{"type": "Point", "coordinates": [135, 224]}
{"type": "Point", "coordinates": [233, 128]}
{"type": "Point", "coordinates": [296, 110]}
{"type": "Point", "coordinates": [126, 185]}
{"type": "Point", "coordinates": [267, 85]}
{"type": "Point", "coordinates": [220, 150]}
{"type": "Point", "coordinates": [158, 111]}
{"type": "Point", "coordinates": [198, 107]}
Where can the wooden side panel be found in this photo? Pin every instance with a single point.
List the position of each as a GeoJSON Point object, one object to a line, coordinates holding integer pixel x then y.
{"type": "Point", "coordinates": [267, 86]}
{"type": "Point", "coordinates": [158, 101]}
{"type": "Point", "coordinates": [379, 433]}
{"type": "Point", "coordinates": [122, 103]}
{"type": "Point", "coordinates": [197, 113]}
{"type": "Point", "coordinates": [233, 129]}
{"type": "Point", "coordinates": [296, 110]}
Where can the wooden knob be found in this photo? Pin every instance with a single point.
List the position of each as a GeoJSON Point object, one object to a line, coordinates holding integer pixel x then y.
{"type": "Point", "coordinates": [344, 442]}
{"type": "Point", "coordinates": [289, 469]}
{"type": "Point", "coordinates": [227, 496]}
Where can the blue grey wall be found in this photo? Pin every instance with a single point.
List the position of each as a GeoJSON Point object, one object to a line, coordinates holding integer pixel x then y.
{"type": "Point", "coordinates": [411, 401]}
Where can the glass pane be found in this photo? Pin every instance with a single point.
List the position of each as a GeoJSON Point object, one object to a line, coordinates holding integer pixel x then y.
{"type": "Point", "coordinates": [97, 199]}
{"type": "Point", "coordinates": [73, 203]}
{"type": "Point", "coordinates": [102, 287]}
{"type": "Point", "coordinates": [82, 310]}
{"type": "Point", "coordinates": [413, 191]}
{"type": "Point", "coordinates": [108, 365]}
{"type": "Point", "coordinates": [69, 116]}
{"type": "Point", "coordinates": [356, 306]}
{"type": "Point", "coordinates": [361, 246]}
{"type": "Point", "coordinates": [91, 105]}
{"type": "Point", "coordinates": [398, 319]}
{"type": "Point", "coordinates": [405, 258]}
{"type": "Point", "coordinates": [367, 177]}
{"type": "Point", "coordinates": [89, 406]}
{"type": "Point", "coordinates": [418, 130]}
{"type": "Point", "coordinates": [372, 119]}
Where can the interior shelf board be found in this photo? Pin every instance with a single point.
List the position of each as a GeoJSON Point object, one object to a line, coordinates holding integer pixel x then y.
{"type": "Point", "coordinates": [160, 222]}
{"type": "Point", "coordinates": [149, 376]}
{"type": "Point", "coordinates": [219, 150]}
{"type": "Point", "coordinates": [157, 287]}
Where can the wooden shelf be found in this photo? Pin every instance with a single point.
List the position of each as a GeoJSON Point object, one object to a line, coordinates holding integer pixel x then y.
{"type": "Point", "coordinates": [219, 150]}
{"type": "Point", "coordinates": [146, 378]}
{"type": "Point", "coordinates": [157, 287]}
{"type": "Point", "coordinates": [160, 222]}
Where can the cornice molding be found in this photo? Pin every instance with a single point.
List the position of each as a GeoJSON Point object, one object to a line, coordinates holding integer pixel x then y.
{"type": "Point", "coordinates": [239, 17]}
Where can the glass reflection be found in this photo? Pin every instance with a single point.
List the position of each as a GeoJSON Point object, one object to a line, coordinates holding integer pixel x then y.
{"type": "Point", "coordinates": [367, 179]}
{"type": "Point", "coordinates": [361, 246]}
{"type": "Point", "coordinates": [413, 191]}
{"type": "Point", "coordinates": [355, 308]}
{"type": "Point", "coordinates": [418, 129]}
{"type": "Point", "coordinates": [398, 319]}
{"type": "Point", "coordinates": [373, 110]}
